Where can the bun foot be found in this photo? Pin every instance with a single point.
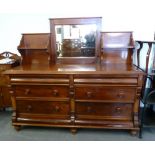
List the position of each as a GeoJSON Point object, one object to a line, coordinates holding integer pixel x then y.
{"type": "Point", "coordinates": [133, 132]}
{"type": "Point", "coordinates": [17, 127]}
{"type": "Point", "coordinates": [73, 131]}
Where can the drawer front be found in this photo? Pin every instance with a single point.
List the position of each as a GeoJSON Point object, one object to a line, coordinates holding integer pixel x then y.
{"type": "Point", "coordinates": [96, 79]}
{"type": "Point", "coordinates": [42, 91]}
{"type": "Point", "coordinates": [104, 111]}
{"type": "Point", "coordinates": [42, 107]}
{"type": "Point", "coordinates": [125, 94]}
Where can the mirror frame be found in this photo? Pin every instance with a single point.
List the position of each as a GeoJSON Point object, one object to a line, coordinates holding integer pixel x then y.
{"type": "Point", "coordinates": [75, 21]}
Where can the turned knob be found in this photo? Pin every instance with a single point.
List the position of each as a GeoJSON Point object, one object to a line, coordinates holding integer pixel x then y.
{"type": "Point", "coordinates": [29, 107]}
{"type": "Point", "coordinates": [118, 109]}
{"type": "Point", "coordinates": [121, 94]}
{"type": "Point", "coordinates": [27, 91]}
{"type": "Point", "coordinates": [57, 108]}
{"type": "Point", "coordinates": [89, 94]}
{"type": "Point", "coordinates": [55, 92]}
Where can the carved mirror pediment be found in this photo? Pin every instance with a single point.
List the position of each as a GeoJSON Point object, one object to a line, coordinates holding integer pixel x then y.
{"type": "Point", "coordinates": [75, 40]}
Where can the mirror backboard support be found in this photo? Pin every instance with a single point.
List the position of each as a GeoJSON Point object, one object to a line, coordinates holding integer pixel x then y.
{"type": "Point", "coordinates": [75, 40]}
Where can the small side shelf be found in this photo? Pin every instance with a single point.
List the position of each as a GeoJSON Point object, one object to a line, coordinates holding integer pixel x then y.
{"type": "Point", "coordinates": [117, 47]}
{"type": "Point", "coordinates": [34, 48]}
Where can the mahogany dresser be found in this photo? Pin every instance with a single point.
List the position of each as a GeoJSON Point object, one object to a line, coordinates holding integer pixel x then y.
{"type": "Point", "coordinates": [48, 91]}
{"type": "Point", "coordinates": [7, 61]}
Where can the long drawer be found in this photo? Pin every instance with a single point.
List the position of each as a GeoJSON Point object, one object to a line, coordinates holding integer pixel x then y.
{"type": "Point", "coordinates": [43, 107]}
{"type": "Point", "coordinates": [60, 91]}
{"type": "Point", "coordinates": [96, 92]}
{"type": "Point", "coordinates": [94, 111]}
{"type": "Point", "coordinates": [107, 80]}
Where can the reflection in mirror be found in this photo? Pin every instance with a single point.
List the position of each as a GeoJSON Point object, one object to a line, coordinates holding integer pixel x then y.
{"type": "Point", "coordinates": [76, 40]}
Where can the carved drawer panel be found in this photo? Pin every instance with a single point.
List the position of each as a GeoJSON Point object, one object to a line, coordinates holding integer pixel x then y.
{"type": "Point", "coordinates": [104, 111]}
{"type": "Point", "coordinates": [43, 107]}
{"type": "Point", "coordinates": [42, 91]}
{"type": "Point", "coordinates": [105, 93]}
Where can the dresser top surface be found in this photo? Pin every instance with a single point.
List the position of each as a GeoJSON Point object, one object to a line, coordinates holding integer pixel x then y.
{"type": "Point", "coordinates": [104, 68]}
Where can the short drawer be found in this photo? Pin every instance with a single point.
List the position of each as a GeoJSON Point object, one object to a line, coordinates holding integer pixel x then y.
{"type": "Point", "coordinates": [43, 107]}
{"type": "Point", "coordinates": [106, 111]}
{"type": "Point", "coordinates": [61, 91]}
{"type": "Point", "coordinates": [125, 94]}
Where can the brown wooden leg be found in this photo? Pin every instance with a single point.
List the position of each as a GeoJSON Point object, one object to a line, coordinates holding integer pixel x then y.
{"type": "Point", "coordinates": [73, 130]}
{"type": "Point", "coordinates": [17, 127]}
{"type": "Point", "coordinates": [134, 132]}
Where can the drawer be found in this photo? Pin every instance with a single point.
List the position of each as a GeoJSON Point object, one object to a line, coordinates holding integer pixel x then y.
{"type": "Point", "coordinates": [43, 107]}
{"type": "Point", "coordinates": [120, 94]}
{"type": "Point", "coordinates": [106, 111]}
{"type": "Point", "coordinates": [96, 79]}
{"type": "Point", "coordinates": [61, 91]}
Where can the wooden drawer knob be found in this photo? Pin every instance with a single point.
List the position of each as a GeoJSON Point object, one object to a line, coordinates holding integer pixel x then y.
{"type": "Point", "coordinates": [27, 91]}
{"type": "Point", "coordinates": [29, 108]}
{"type": "Point", "coordinates": [57, 108]}
{"type": "Point", "coordinates": [89, 94]}
{"type": "Point", "coordinates": [89, 109]}
{"type": "Point", "coordinates": [121, 94]}
{"type": "Point", "coordinates": [118, 109]}
{"type": "Point", "coordinates": [55, 92]}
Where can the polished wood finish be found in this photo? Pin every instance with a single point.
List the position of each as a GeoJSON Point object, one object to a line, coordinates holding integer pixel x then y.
{"type": "Point", "coordinates": [7, 61]}
{"type": "Point", "coordinates": [98, 98]}
{"type": "Point", "coordinates": [117, 47]}
{"type": "Point", "coordinates": [34, 48]}
{"type": "Point", "coordinates": [103, 94]}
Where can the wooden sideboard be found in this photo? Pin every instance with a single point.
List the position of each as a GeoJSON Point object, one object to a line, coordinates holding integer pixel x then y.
{"type": "Point", "coordinates": [101, 94]}
{"type": "Point", "coordinates": [63, 96]}
{"type": "Point", "coordinates": [7, 61]}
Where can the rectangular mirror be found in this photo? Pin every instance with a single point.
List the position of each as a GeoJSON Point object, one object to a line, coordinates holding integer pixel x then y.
{"type": "Point", "coordinates": [75, 40]}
